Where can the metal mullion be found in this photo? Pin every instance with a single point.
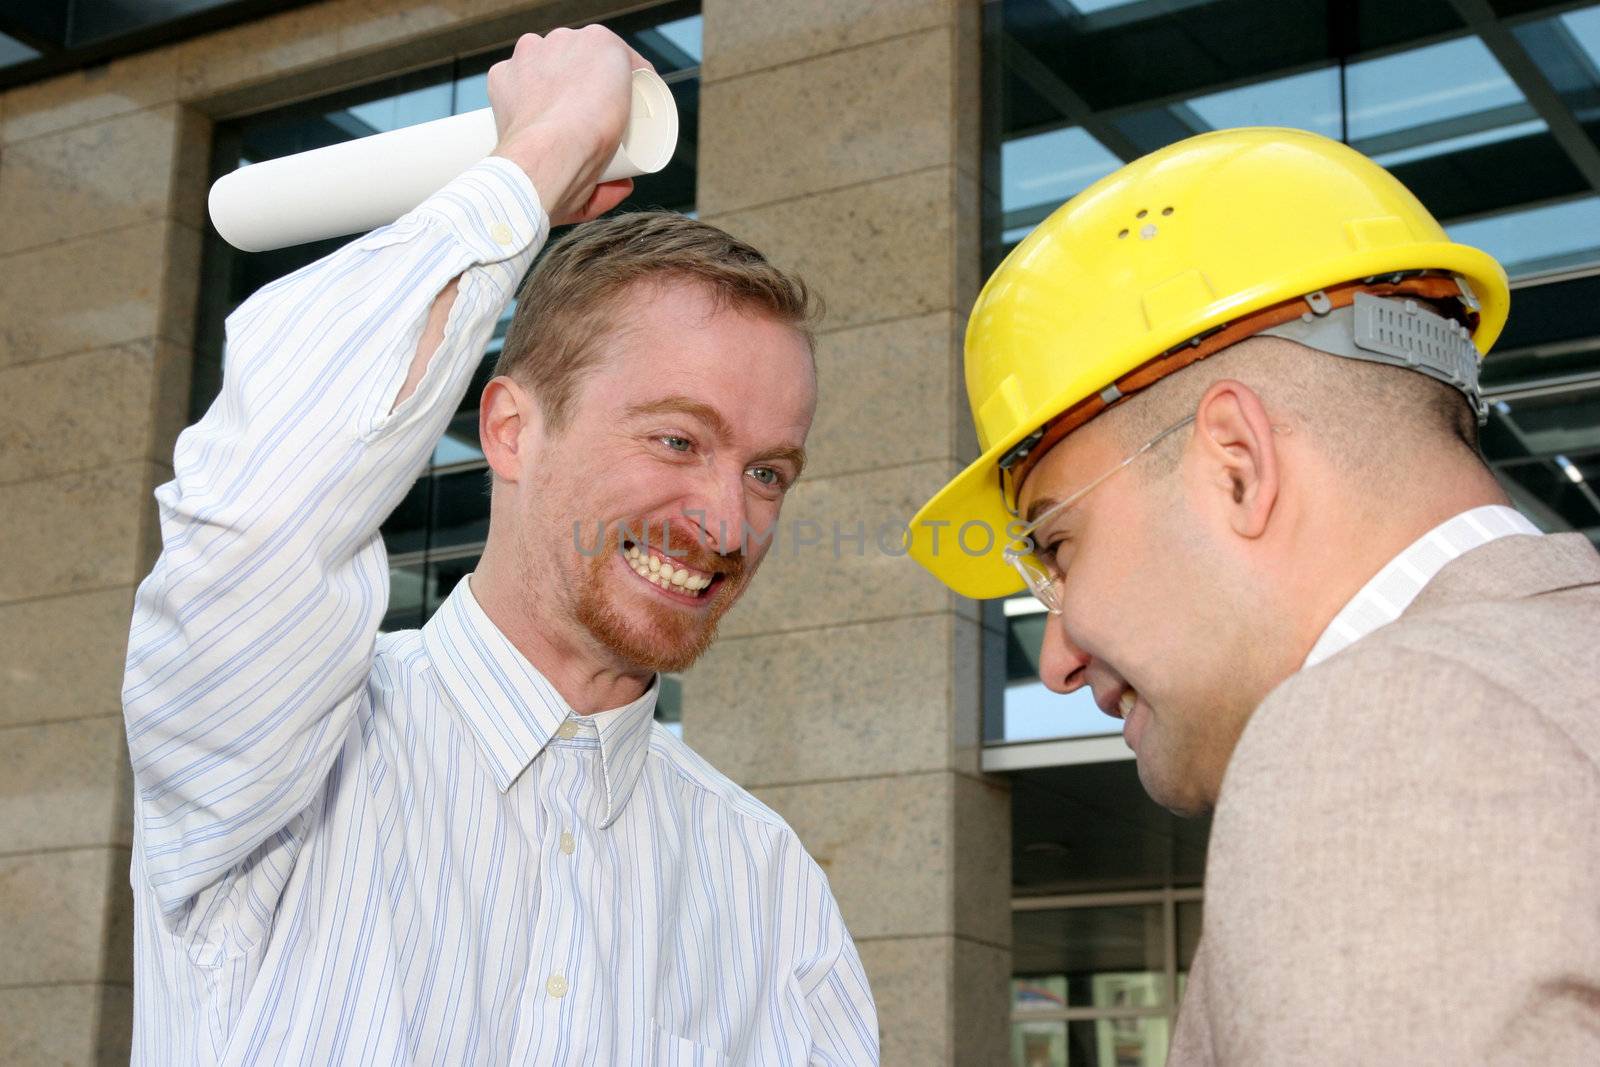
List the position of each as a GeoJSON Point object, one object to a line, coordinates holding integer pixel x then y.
{"type": "Point", "coordinates": [1570, 383]}
{"type": "Point", "coordinates": [1539, 13]}
{"type": "Point", "coordinates": [460, 466]}
{"type": "Point", "coordinates": [1079, 1015]}
{"type": "Point", "coordinates": [1107, 900]}
{"type": "Point", "coordinates": [1169, 949]}
{"type": "Point", "coordinates": [443, 555]}
{"type": "Point", "coordinates": [1038, 76]}
{"type": "Point", "coordinates": [1325, 63]}
{"type": "Point", "coordinates": [1551, 277]}
{"type": "Point", "coordinates": [1533, 85]}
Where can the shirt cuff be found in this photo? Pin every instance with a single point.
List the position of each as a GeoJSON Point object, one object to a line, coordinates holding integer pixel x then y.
{"type": "Point", "coordinates": [495, 210]}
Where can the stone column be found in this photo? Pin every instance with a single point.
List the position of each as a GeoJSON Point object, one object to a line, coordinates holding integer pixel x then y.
{"type": "Point", "coordinates": [842, 139]}
{"type": "Point", "coordinates": [99, 253]}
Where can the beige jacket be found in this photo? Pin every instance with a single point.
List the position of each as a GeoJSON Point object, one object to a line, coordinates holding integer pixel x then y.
{"type": "Point", "coordinates": [1404, 865]}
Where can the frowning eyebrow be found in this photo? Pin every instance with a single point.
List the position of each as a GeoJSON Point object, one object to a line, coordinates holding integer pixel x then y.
{"type": "Point", "coordinates": [713, 420]}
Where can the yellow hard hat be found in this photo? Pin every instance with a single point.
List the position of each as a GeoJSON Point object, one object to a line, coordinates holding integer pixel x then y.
{"type": "Point", "coordinates": [1125, 281]}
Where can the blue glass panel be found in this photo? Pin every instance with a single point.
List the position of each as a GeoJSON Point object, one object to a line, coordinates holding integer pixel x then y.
{"type": "Point", "coordinates": [1308, 101]}
{"type": "Point", "coordinates": [14, 51]}
{"type": "Point", "coordinates": [1042, 171]}
{"type": "Point", "coordinates": [1554, 237]}
{"type": "Point", "coordinates": [684, 35]}
{"type": "Point", "coordinates": [395, 112]}
{"type": "Point", "coordinates": [1034, 713]}
{"type": "Point", "coordinates": [1425, 86]}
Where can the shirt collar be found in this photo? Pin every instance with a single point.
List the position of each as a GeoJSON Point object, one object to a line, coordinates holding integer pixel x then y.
{"type": "Point", "coordinates": [513, 711]}
{"type": "Point", "coordinates": [1392, 589]}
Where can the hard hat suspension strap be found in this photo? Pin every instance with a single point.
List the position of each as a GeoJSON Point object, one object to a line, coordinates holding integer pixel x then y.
{"type": "Point", "coordinates": [1431, 346]}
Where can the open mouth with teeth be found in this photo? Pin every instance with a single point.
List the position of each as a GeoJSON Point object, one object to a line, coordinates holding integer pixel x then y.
{"type": "Point", "coordinates": [668, 574]}
{"type": "Point", "coordinates": [1126, 702]}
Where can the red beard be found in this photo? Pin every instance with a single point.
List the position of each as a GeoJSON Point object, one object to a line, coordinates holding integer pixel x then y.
{"type": "Point", "coordinates": [653, 635]}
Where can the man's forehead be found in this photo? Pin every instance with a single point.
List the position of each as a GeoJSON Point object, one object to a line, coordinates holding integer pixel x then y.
{"type": "Point", "coordinates": [1069, 464]}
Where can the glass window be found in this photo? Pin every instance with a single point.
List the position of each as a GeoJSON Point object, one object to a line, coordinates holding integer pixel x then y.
{"type": "Point", "coordinates": [14, 51]}
{"type": "Point", "coordinates": [1096, 979]}
{"type": "Point", "coordinates": [1029, 711]}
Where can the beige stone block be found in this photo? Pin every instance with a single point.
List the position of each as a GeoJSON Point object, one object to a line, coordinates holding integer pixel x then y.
{"type": "Point", "coordinates": [837, 556]}
{"type": "Point", "coordinates": [842, 702]}
{"type": "Point", "coordinates": [746, 35]}
{"type": "Point", "coordinates": [895, 850]}
{"type": "Point", "coordinates": [386, 23]}
{"type": "Point", "coordinates": [77, 532]}
{"type": "Point", "coordinates": [91, 292]}
{"type": "Point", "coordinates": [81, 1025]}
{"type": "Point", "coordinates": [179, 292]}
{"type": "Point", "coordinates": [62, 657]}
{"type": "Point", "coordinates": [90, 409]}
{"type": "Point", "coordinates": [981, 1003]}
{"type": "Point", "coordinates": [982, 868]}
{"type": "Point", "coordinates": [65, 785]}
{"type": "Point", "coordinates": [145, 80]}
{"type": "Point", "coordinates": [889, 393]}
{"type": "Point", "coordinates": [941, 1000]}
{"type": "Point", "coordinates": [259, 50]}
{"type": "Point", "coordinates": [59, 919]}
{"type": "Point", "coordinates": [105, 175]}
{"type": "Point", "coordinates": [911, 986]}
{"type": "Point", "coordinates": [191, 174]}
{"type": "Point", "coordinates": [874, 252]}
{"type": "Point", "coordinates": [836, 121]}
{"type": "Point", "coordinates": [966, 119]}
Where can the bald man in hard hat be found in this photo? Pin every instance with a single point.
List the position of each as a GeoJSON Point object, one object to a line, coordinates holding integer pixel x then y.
{"type": "Point", "coordinates": [1228, 403]}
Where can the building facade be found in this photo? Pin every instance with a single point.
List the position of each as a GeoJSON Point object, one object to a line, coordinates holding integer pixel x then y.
{"type": "Point", "coordinates": [1014, 896]}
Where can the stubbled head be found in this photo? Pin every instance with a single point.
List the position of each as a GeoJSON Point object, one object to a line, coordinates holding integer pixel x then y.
{"type": "Point", "coordinates": [1198, 579]}
{"type": "Point", "coordinates": [649, 414]}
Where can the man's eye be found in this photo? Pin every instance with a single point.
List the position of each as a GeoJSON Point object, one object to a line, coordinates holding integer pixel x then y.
{"type": "Point", "coordinates": [676, 443]}
{"type": "Point", "coordinates": [766, 476]}
{"type": "Point", "coordinates": [1051, 554]}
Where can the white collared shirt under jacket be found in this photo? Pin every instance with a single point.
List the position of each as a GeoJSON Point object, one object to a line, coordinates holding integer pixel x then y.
{"type": "Point", "coordinates": [406, 849]}
{"type": "Point", "coordinates": [1388, 593]}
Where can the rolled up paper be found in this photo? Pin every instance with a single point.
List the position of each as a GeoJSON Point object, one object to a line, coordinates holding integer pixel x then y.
{"type": "Point", "coordinates": [369, 182]}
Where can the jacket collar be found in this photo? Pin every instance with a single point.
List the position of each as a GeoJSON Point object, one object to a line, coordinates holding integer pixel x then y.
{"type": "Point", "coordinates": [1513, 567]}
{"type": "Point", "coordinates": [513, 711]}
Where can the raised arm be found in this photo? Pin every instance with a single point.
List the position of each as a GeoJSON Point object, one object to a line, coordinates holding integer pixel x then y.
{"type": "Point", "coordinates": [253, 637]}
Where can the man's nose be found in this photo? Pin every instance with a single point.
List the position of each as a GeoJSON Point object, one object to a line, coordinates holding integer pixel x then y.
{"type": "Point", "coordinates": [718, 509]}
{"type": "Point", "coordinates": [1062, 664]}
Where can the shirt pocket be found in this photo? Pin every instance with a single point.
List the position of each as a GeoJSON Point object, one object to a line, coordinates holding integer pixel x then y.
{"type": "Point", "coordinates": [669, 1050]}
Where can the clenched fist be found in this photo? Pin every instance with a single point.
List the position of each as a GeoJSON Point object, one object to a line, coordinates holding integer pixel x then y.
{"type": "Point", "coordinates": [561, 106]}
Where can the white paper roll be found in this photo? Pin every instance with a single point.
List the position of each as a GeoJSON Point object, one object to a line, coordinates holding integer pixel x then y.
{"type": "Point", "coordinates": [362, 184]}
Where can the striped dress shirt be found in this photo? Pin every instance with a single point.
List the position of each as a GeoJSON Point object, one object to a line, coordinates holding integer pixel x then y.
{"type": "Point", "coordinates": [408, 849]}
{"type": "Point", "coordinates": [1389, 592]}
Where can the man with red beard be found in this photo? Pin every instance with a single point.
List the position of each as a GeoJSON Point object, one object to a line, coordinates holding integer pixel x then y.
{"type": "Point", "coordinates": [470, 843]}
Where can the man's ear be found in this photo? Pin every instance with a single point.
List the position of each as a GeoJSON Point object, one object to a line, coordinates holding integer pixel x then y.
{"type": "Point", "coordinates": [1240, 454]}
{"type": "Point", "coordinates": [509, 423]}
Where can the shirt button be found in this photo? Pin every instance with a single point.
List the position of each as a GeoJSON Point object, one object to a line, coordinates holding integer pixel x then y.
{"type": "Point", "coordinates": [556, 986]}
{"type": "Point", "coordinates": [502, 233]}
{"type": "Point", "coordinates": [567, 731]}
{"type": "Point", "coordinates": [567, 844]}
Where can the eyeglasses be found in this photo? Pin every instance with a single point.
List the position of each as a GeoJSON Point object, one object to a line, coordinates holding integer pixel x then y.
{"type": "Point", "coordinates": [1042, 575]}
